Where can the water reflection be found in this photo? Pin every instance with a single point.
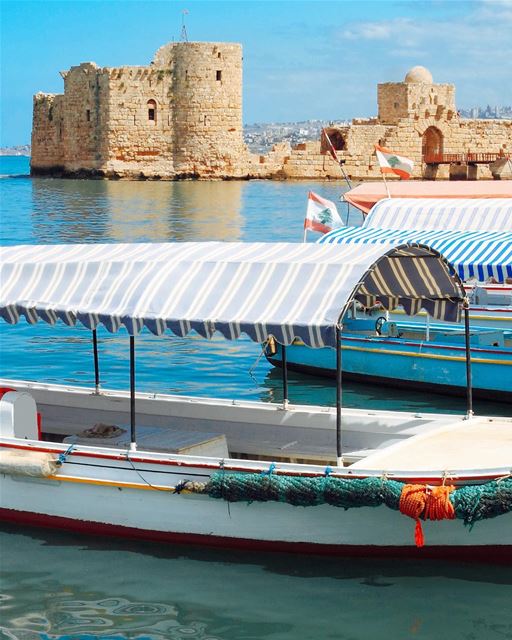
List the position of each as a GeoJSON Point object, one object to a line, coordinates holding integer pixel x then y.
{"type": "Point", "coordinates": [64, 211]}
{"type": "Point", "coordinates": [174, 211]}
{"type": "Point", "coordinates": [124, 590]}
{"type": "Point", "coordinates": [131, 211]}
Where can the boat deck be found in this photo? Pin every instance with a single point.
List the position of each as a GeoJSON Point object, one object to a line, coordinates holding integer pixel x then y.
{"type": "Point", "coordinates": [477, 443]}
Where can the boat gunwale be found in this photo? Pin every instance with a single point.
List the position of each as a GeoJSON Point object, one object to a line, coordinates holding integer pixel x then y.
{"type": "Point", "coordinates": [461, 476]}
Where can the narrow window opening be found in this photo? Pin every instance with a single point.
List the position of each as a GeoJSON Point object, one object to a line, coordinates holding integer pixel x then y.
{"type": "Point", "coordinates": [152, 110]}
{"type": "Point", "coordinates": [50, 114]}
{"type": "Point", "coordinates": [88, 115]}
{"type": "Point", "coordinates": [219, 76]}
{"type": "Point", "coordinates": [219, 55]}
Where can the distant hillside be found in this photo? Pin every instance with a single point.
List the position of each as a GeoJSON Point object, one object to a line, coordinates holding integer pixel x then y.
{"type": "Point", "coordinates": [20, 150]}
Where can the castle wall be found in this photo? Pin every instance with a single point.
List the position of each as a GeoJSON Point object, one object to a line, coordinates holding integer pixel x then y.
{"type": "Point", "coordinates": [85, 118]}
{"type": "Point", "coordinates": [140, 127]}
{"type": "Point", "coordinates": [47, 132]}
{"type": "Point", "coordinates": [181, 117]}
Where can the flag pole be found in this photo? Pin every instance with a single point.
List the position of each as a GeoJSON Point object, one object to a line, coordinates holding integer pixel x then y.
{"type": "Point", "coordinates": [385, 183]}
{"type": "Point", "coordinates": [305, 232]}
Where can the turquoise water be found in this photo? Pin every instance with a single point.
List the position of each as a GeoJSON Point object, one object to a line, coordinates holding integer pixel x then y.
{"type": "Point", "coordinates": [66, 586]}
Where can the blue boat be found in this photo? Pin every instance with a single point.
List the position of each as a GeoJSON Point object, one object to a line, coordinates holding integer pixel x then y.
{"type": "Point", "coordinates": [410, 355]}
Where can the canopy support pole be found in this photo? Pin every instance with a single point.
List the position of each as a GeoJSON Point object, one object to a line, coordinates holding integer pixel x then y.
{"type": "Point", "coordinates": [96, 362]}
{"type": "Point", "coordinates": [285, 377]}
{"type": "Point", "coordinates": [133, 444]}
{"type": "Point", "coordinates": [469, 381]}
{"type": "Point", "coordinates": [339, 455]}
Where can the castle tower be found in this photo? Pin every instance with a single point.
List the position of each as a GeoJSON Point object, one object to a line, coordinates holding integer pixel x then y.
{"type": "Point", "coordinates": [416, 98]}
{"type": "Point", "coordinates": [206, 106]}
{"type": "Point", "coordinates": [179, 117]}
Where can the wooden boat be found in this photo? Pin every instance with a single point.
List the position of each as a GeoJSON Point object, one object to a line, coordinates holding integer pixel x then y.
{"type": "Point", "coordinates": [412, 356]}
{"type": "Point", "coordinates": [162, 468]}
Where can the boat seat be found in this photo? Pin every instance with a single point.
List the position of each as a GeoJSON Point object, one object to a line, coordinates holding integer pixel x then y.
{"type": "Point", "coordinates": [18, 415]}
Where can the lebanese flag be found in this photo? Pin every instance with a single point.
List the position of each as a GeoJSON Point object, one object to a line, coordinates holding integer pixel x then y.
{"type": "Point", "coordinates": [393, 163]}
{"type": "Point", "coordinates": [321, 214]}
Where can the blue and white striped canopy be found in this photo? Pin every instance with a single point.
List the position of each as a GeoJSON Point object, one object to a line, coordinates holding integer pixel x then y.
{"type": "Point", "coordinates": [287, 290]}
{"type": "Point", "coordinates": [473, 254]}
{"type": "Point", "coordinates": [461, 214]}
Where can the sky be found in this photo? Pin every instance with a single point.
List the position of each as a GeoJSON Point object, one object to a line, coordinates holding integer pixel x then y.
{"type": "Point", "coordinates": [302, 60]}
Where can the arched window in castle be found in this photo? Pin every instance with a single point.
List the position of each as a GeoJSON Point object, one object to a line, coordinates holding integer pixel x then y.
{"type": "Point", "coordinates": [432, 145]}
{"type": "Point", "coordinates": [332, 137]}
{"type": "Point", "coordinates": [152, 110]}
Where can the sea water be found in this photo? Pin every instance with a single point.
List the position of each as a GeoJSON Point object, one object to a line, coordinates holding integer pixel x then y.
{"type": "Point", "coordinates": [68, 586]}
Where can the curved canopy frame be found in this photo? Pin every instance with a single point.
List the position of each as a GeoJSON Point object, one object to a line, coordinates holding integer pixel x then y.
{"type": "Point", "coordinates": [287, 290]}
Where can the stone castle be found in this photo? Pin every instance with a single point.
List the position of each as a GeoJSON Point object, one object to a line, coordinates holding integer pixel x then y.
{"type": "Point", "coordinates": [181, 117]}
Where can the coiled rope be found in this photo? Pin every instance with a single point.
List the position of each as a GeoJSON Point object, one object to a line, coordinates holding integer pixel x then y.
{"type": "Point", "coordinates": [430, 503]}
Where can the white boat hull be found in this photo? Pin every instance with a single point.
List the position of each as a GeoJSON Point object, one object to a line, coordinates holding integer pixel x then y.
{"type": "Point", "coordinates": [100, 491]}
{"type": "Point", "coordinates": [114, 490]}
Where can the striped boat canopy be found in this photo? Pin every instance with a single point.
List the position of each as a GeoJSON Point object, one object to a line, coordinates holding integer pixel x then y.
{"type": "Point", "coordinates": [468, 214]}
{"type": "Point", "coordinates": [367, 194]}
{"type": "Point", "coordinates": [473, 254]}
{"type": "Point", "coordinates": [287, 290]}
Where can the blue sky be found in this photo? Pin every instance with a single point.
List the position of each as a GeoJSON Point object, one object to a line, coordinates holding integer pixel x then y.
{"type": "Point", "coordinates": [302, 60]}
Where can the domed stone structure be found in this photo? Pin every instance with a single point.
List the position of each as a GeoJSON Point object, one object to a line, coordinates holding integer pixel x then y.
{"type": "Point", "coordinates": [418, 74]}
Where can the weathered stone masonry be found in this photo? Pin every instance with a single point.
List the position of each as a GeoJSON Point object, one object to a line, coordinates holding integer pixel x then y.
{"type": "Point", "coordinates": [181, 117]}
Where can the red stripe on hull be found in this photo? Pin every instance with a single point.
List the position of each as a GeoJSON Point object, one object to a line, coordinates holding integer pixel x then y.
{"type": "Point", "coordinates": [490, 554]}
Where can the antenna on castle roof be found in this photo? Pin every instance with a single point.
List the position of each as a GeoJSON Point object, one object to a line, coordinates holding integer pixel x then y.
{"type": "Point", "coordinates": [184, 35]}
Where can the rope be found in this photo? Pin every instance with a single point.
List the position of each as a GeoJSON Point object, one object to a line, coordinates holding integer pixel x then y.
{"type": "Point", "coordinates": [257, 361]}
{"type": "Point", "coordinates": [430, 503]}
{"type": "Point", "coordinates": [62, 456]}
{"type": "Point", "coordinates": [469, 503]}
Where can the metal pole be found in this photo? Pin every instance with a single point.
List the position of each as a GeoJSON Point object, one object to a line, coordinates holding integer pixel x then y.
{"type": "Point", "coordinates": [469, 382]}
{"type": "Point", "coordinates": [96, 361]}
{"type": "Point", "coordinates": [339, 457]}
{"type": "Point", "coordinates": [285, 377]}
{"type": "Point", "coordinates": [386, 184]}
{"type": "Point", "coordinates": [133, 445]}
{"type": "Point", "coordinates": [341, 163]}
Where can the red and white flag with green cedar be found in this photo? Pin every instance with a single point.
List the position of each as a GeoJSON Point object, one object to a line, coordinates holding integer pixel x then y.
{"type": "Point", "coordinates": [321, 214]}
{"type": "Point", "coordinates": [393, 163]}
